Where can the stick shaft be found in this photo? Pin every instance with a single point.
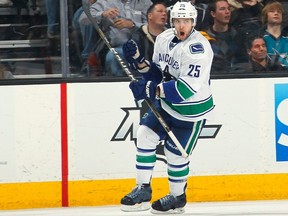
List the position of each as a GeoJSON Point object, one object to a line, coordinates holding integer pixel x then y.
{"type": "Point", "coordinates": [86, 8]}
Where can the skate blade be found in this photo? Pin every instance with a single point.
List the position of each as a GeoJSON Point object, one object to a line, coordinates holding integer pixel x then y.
{"type": "Point", "coordinates": [144, 206]}
{"type": "Point", "coordinates": [171, 211]}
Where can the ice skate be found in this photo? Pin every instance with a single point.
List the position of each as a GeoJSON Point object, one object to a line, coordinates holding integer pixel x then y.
{"type": "Point", "coordinates": [169, 205]}
{"type": "Point", "coordinates": [138, 199]}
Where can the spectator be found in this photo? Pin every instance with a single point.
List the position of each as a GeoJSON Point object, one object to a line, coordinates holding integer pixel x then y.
{"type": "Point", "coordinates": [52, 10]}
{"type": "Point", "coordinates": [285, 7]}
{"type": "Point", "coordinates": [89, 38]}
{"type": "Point", "coordinates": [259, 62]}
{"type": "Point", "coordinates": [276, 39]}
{"type": "Point", "coordinates": [245, 13]}
{"type": "Point", "coordinates": [146, 35]}
{"type": "Point", "coordinates": [246, 19]}
{"type": "Point", "coordinates": [221, 37]}
{"type": "Point", "coordinates": [236, 4]}
{"type": "Point", "coordinates": [119, 20]}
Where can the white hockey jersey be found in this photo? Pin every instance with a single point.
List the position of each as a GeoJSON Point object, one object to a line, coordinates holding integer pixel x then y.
{"type": "Point", "coordinates": [188, 96]}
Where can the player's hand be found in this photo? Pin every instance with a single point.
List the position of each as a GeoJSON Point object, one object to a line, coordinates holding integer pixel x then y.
{"type": "Point", "coordinates": [131, 49]}
{"type": "Point", "coordinates": [131, 61]}
{"type": "Point", "coordinates": [142, 89]}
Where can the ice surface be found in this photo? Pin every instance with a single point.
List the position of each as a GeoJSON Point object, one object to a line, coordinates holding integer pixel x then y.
{"type": "Point", "coordinates": [247, 208]}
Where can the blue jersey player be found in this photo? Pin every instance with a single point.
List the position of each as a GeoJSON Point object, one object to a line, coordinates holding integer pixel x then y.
{"type": "Point", "coordinates": [178, 82]}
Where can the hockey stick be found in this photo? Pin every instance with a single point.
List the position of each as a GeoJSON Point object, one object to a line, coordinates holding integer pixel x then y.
{"type": "Point", "coordinates": [86, 8]}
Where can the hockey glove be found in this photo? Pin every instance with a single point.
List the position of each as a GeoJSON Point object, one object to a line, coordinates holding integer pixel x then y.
{"type": "Point", "coordinates": [143, 89]}
{"type": "Point", "coordinates": [131, 50]}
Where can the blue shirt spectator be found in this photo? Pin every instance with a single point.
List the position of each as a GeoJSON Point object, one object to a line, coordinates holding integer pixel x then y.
{"type": "Point", "coordinates": [276, 39]}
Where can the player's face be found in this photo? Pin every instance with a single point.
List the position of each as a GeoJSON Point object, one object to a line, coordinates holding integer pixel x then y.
{"type": "Point", "coordinates": [183, 27]}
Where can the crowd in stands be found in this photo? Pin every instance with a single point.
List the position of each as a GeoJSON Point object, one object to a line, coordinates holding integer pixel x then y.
{"type": "Point", "coordinates": [233, 27]}
{"type": "Point", "coordinates": [236, 29]}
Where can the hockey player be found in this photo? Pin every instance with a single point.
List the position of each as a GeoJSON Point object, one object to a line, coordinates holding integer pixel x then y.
{"type": "Point", "coordinates": [183, 99]}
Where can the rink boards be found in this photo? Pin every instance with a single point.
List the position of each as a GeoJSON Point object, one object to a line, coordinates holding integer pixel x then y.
{"type": "Point", "coordinates": [74, 144]}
